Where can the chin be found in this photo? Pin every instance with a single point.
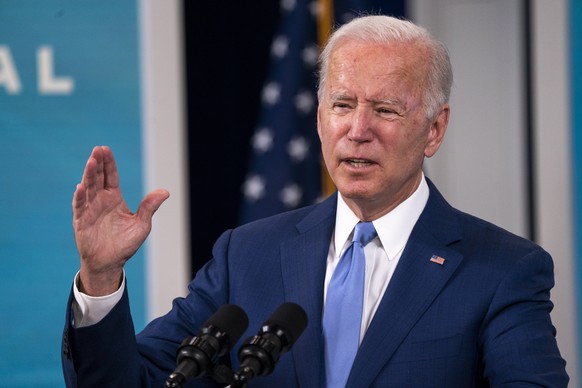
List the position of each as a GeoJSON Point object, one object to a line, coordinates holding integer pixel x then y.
{"type": "Point", "coordinates": [356, 191]}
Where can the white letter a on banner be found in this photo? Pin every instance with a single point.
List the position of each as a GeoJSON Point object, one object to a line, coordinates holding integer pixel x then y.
{"type": "Point", "coordinates": [8, 74]}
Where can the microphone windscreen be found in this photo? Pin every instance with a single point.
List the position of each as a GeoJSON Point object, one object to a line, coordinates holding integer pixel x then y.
{"type": "Point", "coordinates": [231, 319]}
{"type": "Point", "coordinates": [291, 318]}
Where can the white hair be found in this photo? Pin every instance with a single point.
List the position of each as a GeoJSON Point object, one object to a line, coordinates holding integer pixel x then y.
{"type": "Point", "coordinates": [379, 29]}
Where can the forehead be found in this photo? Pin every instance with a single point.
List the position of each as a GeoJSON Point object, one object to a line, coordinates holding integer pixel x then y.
{"type": "Point", "coordinates": [374, 65]}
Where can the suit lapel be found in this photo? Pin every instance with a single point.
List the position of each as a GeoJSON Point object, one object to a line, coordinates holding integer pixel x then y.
{"type": "Point", "coordinates": [303, 263]}
{"type": "Point", "coordinates": [416, 283]}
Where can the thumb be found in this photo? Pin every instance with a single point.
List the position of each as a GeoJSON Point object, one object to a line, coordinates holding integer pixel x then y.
{"type": "Point", "coordinates": [151, 203]}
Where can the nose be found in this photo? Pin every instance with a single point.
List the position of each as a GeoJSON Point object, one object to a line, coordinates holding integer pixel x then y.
{"type": "Point", "coordinates": [361, 125]}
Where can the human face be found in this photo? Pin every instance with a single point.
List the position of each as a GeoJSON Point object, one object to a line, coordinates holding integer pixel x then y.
{"type": "Point", "coordinates": [373, 126]}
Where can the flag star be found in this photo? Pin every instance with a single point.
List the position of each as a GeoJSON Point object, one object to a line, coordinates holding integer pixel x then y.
{"type": "Point", "coordinates": [315, 8]}
{"type": "Point", "coordinates": [310, 54]}
{"type": "Point", "coordinates": [271, 93]}
{"type": "Point", "coordinates": [298, 148]}
{"type": "Point", "coordinates": [304, 102]}
{"type": "Point", "coordinates": [263, 140]}
{"type": "Point", "coordinates": [288, 5]}
{"type": "Point", "coordinates": [254, 188]}
{"type": "Point", "coordinates": [280, 47]}
{"type": "Point", "coordinates": [291, 195]}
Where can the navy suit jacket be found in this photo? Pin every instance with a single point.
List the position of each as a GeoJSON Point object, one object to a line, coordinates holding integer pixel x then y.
{"type": "Point", "coordinates": [482, 318]}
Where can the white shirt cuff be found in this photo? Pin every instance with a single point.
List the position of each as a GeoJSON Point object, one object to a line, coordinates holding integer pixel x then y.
{"type": "Point", "coordinates": [89, 310]}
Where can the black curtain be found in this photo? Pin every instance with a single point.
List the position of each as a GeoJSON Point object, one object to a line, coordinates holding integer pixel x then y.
{"type": "Point", "coordinates": [227, 46]}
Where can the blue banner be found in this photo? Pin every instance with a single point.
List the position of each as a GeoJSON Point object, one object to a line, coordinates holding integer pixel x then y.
{"type": "Point", "coordinates": [69, 80]}
{"type": "Point", "coordinates": [576, 109]}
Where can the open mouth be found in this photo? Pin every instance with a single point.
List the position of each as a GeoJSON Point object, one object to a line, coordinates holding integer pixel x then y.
{"type": "Point", "coordinates": [358, 162]}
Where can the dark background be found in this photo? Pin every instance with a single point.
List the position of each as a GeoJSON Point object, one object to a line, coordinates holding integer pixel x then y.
{"type": "Point", "coordinates": [227, 46]}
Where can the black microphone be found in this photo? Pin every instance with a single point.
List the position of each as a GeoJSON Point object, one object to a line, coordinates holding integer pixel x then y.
{"type": "Point", "coordinates": [198, 355]}
{"type": "Point", "coordinates": [259, 354]}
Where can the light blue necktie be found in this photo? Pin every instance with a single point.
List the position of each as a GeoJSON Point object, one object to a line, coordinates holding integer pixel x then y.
{"type": "Point", "coordinates": [342, 316]}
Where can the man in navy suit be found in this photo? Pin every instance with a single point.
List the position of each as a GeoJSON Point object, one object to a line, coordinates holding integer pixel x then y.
{"type": "Point", "coordinates": [450, 300]}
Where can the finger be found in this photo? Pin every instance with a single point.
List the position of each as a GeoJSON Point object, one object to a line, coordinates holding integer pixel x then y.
{"type": "Point", "coordinates": [79, 200]}
{"type": "Point", "coordinates": [90, 181]}
{"type": "Point", "coordinates": [150, 204]}
{"type": "Point", "coordinates": [97, 154]}
{"type": "Point", "coordinates": [111, 175]}
{"type": "Point", "coordinates": [91, 168]}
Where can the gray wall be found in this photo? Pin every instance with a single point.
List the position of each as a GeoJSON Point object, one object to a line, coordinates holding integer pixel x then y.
{"type": "Point", "coordinates": [481, 166]}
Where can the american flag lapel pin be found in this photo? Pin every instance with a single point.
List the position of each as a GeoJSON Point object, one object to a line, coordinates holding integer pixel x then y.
{"type": "Point", "coordinates": [437, 259]}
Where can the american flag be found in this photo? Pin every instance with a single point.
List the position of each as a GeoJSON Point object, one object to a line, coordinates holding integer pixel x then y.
{"type": "Point", "coordinates": [285, 166]}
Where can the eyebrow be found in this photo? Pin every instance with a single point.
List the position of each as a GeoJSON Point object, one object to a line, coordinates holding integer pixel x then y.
{"type": "Point", "coordinates": [340, 97]}
{"type": "Point", "coordinates": [388, 101]}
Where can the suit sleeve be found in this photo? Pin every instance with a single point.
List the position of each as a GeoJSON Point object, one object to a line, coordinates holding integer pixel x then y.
{"type": "Point", "coordinates": [518, 337]}
{"type": "Point", "coordinates": [109, 354]}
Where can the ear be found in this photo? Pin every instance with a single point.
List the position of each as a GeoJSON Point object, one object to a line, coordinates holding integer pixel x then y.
{"type": "Point", "coordinates": [437, 131]}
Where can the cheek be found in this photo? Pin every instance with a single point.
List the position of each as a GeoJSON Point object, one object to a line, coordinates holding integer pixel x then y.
{"type": "Point", "coordinates": [397, 150]}
{"type": "Point", "coordinates": [324, 138]}
{"type": "Point", "coordinates": [415, 139]}
{"type": "Point", "coordinates": [330, 132]}
{"type": "Point", "coordinates": [328, 148]}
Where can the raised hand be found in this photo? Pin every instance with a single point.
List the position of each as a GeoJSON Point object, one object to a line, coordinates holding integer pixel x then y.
{"type": "Point", "coordinates": [107, 233]}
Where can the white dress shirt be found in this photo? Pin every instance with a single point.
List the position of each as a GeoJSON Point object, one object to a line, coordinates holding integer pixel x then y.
{"type": "Point", "coordinates": [88, 310]}
{"type": "Point", "coordinates": [382, 253]}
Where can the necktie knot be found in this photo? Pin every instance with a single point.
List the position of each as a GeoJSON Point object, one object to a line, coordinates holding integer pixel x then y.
{"type": "Point", "coordinates": [364, 233]}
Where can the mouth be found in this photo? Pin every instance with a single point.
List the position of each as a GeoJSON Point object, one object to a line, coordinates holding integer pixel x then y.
{"type": "Point", "coordinates": [358, 163]}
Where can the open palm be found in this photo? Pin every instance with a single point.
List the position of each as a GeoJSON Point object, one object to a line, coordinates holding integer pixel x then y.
{"type": "Point", "coordinates": [107, 233]}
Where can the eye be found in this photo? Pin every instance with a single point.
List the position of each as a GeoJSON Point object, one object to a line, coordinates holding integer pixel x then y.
{"type": "Point", "coordinates": [385, 111]}
{"type": "Point", "coordinates": [388, 113]}
{"type": "Point", "coordinates": [340, 106]}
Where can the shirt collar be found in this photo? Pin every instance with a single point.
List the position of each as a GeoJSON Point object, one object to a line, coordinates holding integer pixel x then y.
{"type": "Point", "coordinates": [393, 228]}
